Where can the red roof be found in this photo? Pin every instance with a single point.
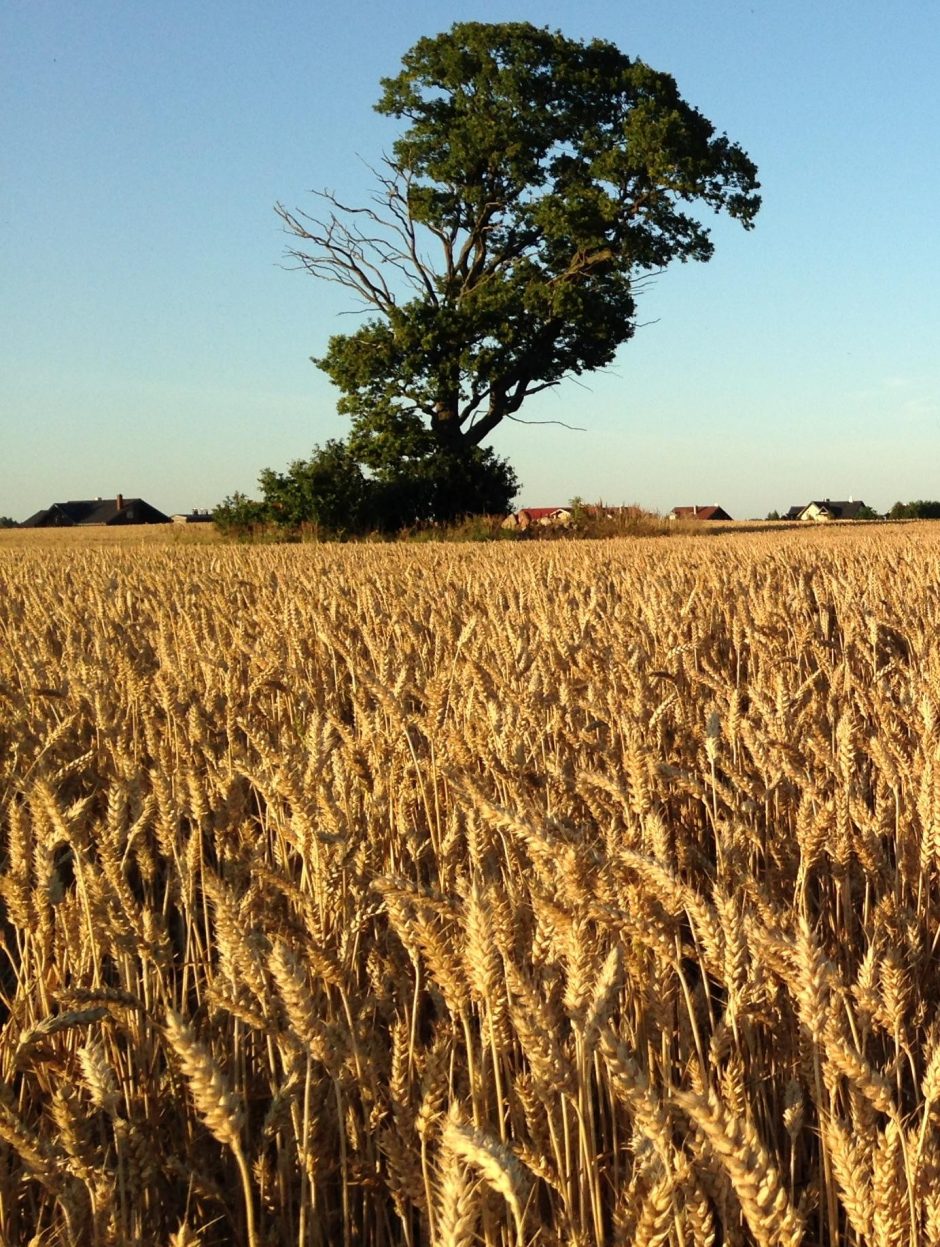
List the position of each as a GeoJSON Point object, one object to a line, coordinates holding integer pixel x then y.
{"type": "Point", "coordinates": [540, 513]}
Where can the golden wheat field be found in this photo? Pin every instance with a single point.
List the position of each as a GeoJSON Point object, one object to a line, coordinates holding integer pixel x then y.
{"type": "Point", "coordinates": [563, 895]}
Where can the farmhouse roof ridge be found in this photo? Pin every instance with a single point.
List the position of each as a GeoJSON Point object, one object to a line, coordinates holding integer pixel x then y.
{"type": "Point", "coordinates": [81, 512]}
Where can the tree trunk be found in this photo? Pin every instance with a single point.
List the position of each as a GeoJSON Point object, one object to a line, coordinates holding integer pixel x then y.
{"type": "Point", "coordinates": [446, 426]}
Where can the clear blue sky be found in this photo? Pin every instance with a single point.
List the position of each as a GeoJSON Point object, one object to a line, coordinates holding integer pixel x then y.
{"type": "Point", "coordinates": [151, 341]}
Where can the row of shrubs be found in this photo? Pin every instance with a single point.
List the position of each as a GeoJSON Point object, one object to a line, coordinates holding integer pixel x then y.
{"type": "Point", "coordinates": [631, 522]}
{"type": "Point", "coordinates": [355, 491]}
{"type": "Point", "coordinates": [334, 494]}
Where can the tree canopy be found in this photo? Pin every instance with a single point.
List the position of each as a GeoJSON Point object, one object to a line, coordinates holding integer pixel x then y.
{"type": "Point", "coordinates": [921, 509]}
{"type": "Point", "coordinates": [537, 182]}
{"type": "Point", "coordinates": [333, 493]}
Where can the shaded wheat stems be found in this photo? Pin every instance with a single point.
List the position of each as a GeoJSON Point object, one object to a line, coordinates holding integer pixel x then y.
{"type": "Point", "coordinates": [569, 894]}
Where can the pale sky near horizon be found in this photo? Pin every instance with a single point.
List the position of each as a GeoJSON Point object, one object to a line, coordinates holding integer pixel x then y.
{"type": "Point", "coordinates": [153, 343]}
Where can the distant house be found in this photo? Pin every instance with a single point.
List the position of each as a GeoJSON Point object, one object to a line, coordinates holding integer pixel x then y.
{"type": "Point", "coordinates": [821, 512]}
{"type": "Point", "coordinates": [543, 516]}
{"type": "Point", "coordinates": [96, 511]}
{"type": "Point", "coordinates": [192, 517]}
{"type": "Point", "coordinates": [699, 513]}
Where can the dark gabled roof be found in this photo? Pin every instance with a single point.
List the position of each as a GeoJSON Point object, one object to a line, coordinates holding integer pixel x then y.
{"type": "Point", "coordinates": [700, 513]}
{"type": "Point", "coordinates": [36, 520]}
{"type": "Point", "coordinates": [795, 512]}
{"type": "Point", "coordinates": [96, 511]}
{"type": "Point", "coordinates": [838, 510]}
{"type": "Point", "coordinates": [92, 512]}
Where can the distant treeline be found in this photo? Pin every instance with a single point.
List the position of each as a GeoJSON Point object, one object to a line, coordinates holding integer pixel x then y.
{"type": "Point", "coordinates": [920, 510]}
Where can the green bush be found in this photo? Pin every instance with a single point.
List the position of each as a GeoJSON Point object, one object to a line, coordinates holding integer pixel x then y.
{"type": "Point", "coordinates": [239, 515]}
{"type": "Point", "coordinates": [344, 491]}
{"type": "Point", "coordinates": [919, 510]}
{"type": "Point", "coordinates": [328, 491]}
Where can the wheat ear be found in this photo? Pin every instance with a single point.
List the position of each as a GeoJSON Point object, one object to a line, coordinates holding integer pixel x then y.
{"type": "Point", "coordinates": [218, 1105]}
{"type": "Point", "coordinates": [772, 1219]}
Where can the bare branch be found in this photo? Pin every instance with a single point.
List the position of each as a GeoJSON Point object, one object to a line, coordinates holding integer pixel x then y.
{"type": "Point", "coordinates": [358, 257]}
{"type": "Point", "coordinates": [341, 256]}
{"type": "Point", "coordinates": [575, 428]}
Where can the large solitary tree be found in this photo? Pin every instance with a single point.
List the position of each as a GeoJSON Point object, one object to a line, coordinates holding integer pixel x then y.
{"type": "Point", "coordinates": [537, 181]}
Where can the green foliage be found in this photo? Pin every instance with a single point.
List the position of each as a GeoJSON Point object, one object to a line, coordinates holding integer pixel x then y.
{"type": "Point", "coordinates": [548, 177]}
{"type": "Point", "coordinates": [773, 515]}
{"type": "Point", "coordinates": [919, 510]}
{"type": "Point", "coordinates": [7, 522]}
{"type": "Point", "coordinates": [328, 490]}
{"type": "Point", "coordinates": [867, 513]}
{"type": "Point", "coordinates": [441, 487]}
{"type": "Point", "coordinates": [334, 493]}
{"type": "Point", "coordinates": [578, 508]}
{"type": "Point", "coordinates": [238, 514]}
